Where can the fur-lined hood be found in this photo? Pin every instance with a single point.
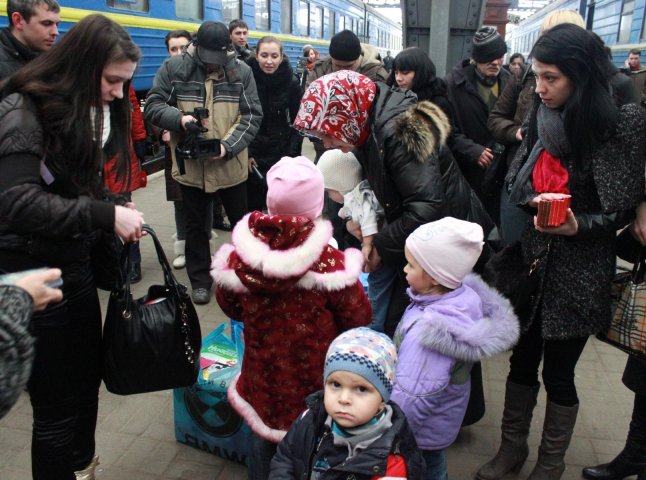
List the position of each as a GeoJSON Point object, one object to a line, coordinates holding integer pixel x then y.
{"type": "Point", "coordinates": [271, 253]}
{"type": "Point", "coordinates": [447, 330]}
{"type": "Point", "coordinates": [423, 128]}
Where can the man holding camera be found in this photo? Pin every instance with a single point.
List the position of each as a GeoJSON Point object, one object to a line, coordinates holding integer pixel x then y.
{"type": "Point", "coordinates": [207, 99]}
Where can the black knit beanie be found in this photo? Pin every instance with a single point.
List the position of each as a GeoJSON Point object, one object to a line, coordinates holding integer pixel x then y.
{"type": "Point", "coordinates": [488, 45]}
{"type": "Point", "coordinates": [345, 46]}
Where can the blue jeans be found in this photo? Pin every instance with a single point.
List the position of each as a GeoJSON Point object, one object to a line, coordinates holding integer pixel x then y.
{"type": "Point", "coordinates": [435, 465]}
{"type": "Point", "coordinates": [380, 284]}
{"type": "Point", "coordinates": [261, 452]}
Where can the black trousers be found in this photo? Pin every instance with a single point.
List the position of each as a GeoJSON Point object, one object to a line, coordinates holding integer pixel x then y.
{"type": "Point", "coordinates": [559, 361]}
{"type": "Point", "coordinates": [197, 205]}
{"type": "Point", "coordinates": [64, 385]}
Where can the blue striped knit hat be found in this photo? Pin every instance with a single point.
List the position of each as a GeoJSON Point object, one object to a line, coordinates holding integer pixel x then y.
{"type": "Point", "coordinates": [369, 354]}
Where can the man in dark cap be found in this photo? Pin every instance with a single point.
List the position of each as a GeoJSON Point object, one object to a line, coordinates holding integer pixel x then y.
{"type": "Point", "coordinates": [207, 76]}
{"type": "Point", "coordinates": [347, 53]}
{"type": "Point", "coordinates": [473, 88]}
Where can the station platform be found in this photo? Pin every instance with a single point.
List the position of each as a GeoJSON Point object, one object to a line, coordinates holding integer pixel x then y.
{"type": "Point", "coordinates": [135, 435]}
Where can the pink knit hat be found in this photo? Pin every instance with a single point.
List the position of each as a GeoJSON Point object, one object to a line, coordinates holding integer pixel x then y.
{"type": "Point", "coordinates": [295, 187]}
{"type": "Point", "coordinates": [446, 249]}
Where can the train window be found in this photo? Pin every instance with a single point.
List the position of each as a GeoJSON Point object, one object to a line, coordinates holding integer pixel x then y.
{"type": "Point", "coordinates": [189, 9]}
{"type": "Point", "coordinates": [286, 16]}
{"type": "Point", "coordinates": [626, 22]}
{"type": "Point", "coordinates": [262, 14]}
{"type": "Point", "coordinates": [230, 10]}
{"type": "Point", "coordinates": [360, 30]}
{"type": "Point", "coordinates": [316, 21]}
{"type": "Point", "coordinates": [303, 19]}
{"type": "Point", "coordinates": [341, 22]}
{"type": "Point", "coordinates": [131, 5]}
{"type": "Point", "coordinates": [332, 24]}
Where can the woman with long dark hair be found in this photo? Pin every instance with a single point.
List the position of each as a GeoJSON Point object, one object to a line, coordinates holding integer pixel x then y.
{"type": "Point", "coordinates": [414, 70]}
{"type": "Point", "coordinates": [280, 95]}
{"type": "Point", "coordinates": [62, 116]}
{"type": "Point", "coordinates": [578, 143]}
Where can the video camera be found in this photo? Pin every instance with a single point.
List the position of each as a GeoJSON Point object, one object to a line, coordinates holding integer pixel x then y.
{"type": "Point", "coordinates": [194, 146]}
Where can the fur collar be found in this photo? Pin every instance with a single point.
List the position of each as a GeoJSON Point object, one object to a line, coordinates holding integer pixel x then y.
{"type": "Point", "coordinates": [496, 332]}
{"type": "Point", "coordinates": [422, 129]}
{"type": "Point", "coordinates": [287, 264]}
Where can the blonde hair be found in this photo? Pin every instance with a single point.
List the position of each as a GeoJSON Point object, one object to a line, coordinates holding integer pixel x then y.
{"type": "Point", "coordinates": [558, 17]}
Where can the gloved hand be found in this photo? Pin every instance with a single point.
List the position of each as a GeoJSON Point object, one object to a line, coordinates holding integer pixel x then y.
{"type": "Point", "coordinates": [140, 150]}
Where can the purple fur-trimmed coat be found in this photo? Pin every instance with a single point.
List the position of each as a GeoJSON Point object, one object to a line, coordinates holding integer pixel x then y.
{"type": "Point", "coordinates": [438, 339]}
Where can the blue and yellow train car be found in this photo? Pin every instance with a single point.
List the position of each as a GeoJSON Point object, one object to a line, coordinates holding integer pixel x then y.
{"type": "Point", "coordinates": [294, 22]}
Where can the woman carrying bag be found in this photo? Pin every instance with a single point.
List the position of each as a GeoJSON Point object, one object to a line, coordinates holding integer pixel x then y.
{"type": "Point", "coordinates": [578, 142]}
{"type": "Point", "coordinates": [58, 114]}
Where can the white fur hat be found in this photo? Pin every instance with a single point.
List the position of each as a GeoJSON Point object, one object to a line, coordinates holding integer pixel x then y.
{"type": "Point", "coordinates": [446, 249]}
{"type": "Point", "coordinates": [341, 171]}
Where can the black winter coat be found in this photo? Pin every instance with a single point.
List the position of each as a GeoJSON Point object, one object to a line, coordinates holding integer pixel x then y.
{"type": "Point", "coordinates": [13, 54]}
{"type": "Point", "coordinates": [280, 96]}
{"type": "Point", "coordinates": [296, 451]}
{"type": "Point", "coordinates": [471, 115]}
{"type": "Point", "coordinates": [575, 294]}
{"type": "Point", "coordinates": [44, 219]}
{"type": "Point", "coordinates": [412, 171]}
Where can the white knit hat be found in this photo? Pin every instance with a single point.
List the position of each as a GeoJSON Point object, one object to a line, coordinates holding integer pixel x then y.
{"type": "Point", "coordinates": [446, 249]}
{"type": "Point", "coordinates": [341, 171]}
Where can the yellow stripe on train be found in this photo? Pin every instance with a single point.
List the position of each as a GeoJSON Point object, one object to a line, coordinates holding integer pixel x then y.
{"type": "Point", "coordinates": [73, 15]}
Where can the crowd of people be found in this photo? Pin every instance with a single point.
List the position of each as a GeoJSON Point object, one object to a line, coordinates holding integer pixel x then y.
{"type": "Point", "coordinates": [418, 180]}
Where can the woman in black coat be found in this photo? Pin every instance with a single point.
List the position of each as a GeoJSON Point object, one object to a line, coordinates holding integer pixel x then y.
{"type": "Point", "coordinates": [580, 143]}
{"type": "Point", "coordinates": [401, 147]}
{"type": "Point", "coordinates": [280, 94]}
{"type": "Point", "coordinates": [60, 113]}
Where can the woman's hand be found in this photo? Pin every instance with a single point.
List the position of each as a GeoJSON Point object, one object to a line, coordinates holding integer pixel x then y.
{"type": "Point", "coordinates": [373, 262]}
{"type": "Point", "coordinates": [354, 230]}
{"type": "Point", "coordinates": [638, 227]}
{"type": "Point", "coordinates": [568, 229]}
{"type": "Point", "coordinates": [35, 284]}
{"type": "Point", "coordinates": [544, 196]}
{"type": "Point", "coordinates": [128, 223]}
{"type": "Point", "coordinates": [485, 159]}
{"type": "Point", "coordinates": [519, 134]}
{"type": "Point", "coordinates": [252, 163]}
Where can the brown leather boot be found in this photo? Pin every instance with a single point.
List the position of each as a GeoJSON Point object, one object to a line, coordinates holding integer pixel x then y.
{"type": "Point", "coordinates": [557, 433]}
{"type": "Point", "coordinates": [520, 401]}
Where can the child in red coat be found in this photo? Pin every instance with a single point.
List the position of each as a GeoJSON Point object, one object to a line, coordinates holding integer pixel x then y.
{"type": "Point", "coordinates": [295, 293]}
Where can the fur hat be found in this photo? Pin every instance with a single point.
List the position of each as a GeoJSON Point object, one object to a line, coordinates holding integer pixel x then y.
{"type": "Point", "coordinates": [345, 46]}
{"type": "Point", "coordinates": [295, 187]}
{"type": "Point", "coordinates": [341, 171]}
{"type": "Point", "coordinates": [367, 353]}
{"type": "Point", "coordinates": [446, 249]}
{"type": "Point", "coordinates": [488, 45]}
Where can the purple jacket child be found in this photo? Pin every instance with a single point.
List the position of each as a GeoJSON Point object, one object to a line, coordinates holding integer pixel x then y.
{"type": "Point", "coordinates": [438, 339]}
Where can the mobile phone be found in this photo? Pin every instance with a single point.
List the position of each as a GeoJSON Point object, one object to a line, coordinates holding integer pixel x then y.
{"type": "Point", "coordinates": [13, 277]}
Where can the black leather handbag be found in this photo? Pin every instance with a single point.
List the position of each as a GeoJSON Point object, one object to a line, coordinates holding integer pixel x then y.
{"type": "Point", "coordinates": [516, 279]}
{"type": "Point", "coordinates": [150, 343]}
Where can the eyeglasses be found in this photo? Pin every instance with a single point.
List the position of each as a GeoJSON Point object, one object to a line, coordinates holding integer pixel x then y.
{"type": "Point", "coordinates": [309, 136]}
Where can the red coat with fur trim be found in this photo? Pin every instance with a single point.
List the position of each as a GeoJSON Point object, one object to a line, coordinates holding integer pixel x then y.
{"type": "Point", "coordinates": [295, 294]}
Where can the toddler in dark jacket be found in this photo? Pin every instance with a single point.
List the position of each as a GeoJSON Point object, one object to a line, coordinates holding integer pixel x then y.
{"type": "Point", "coordinates": [352, 428]}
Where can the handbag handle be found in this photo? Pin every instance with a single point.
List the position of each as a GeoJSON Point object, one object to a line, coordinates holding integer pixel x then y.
{"type": "Point", "coordinates": [639, 268]}
{"type": "Point", "coordinates": [169, 279]}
